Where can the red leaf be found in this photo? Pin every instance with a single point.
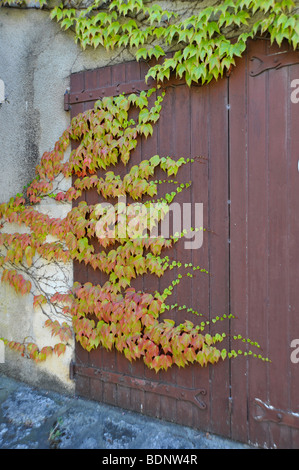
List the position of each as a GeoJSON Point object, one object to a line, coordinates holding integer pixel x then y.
{"type": "Point", "coordinates": [59, 349]}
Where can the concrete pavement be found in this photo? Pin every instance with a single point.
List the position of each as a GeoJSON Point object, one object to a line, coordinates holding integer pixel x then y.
{"type": "Point", "coordinates": [38, 419]}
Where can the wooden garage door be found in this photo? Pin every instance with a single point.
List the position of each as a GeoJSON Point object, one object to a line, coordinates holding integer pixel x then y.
{"type": "Point", "coordinates": [247, 128]}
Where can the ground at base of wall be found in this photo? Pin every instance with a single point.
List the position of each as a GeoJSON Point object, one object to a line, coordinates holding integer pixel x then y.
{"type": "Point", "coordinates": [37, 419]}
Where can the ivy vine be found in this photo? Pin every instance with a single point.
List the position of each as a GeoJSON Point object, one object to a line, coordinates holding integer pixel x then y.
{"type": "Point", "coordinates": [112, 315]}
{"type": "Point", "coordinates": [204, 45]}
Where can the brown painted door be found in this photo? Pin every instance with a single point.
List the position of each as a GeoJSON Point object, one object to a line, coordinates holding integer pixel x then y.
{"type": "Point", "coordinates": [245, 126]}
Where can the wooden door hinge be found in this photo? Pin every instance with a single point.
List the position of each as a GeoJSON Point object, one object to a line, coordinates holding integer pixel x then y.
{"type": "Point", "coordinates": [265, 412]}
{"type": "Point", "coordinates": [193, 396]}
{"type": "Point", "coordinates": [261, 63]}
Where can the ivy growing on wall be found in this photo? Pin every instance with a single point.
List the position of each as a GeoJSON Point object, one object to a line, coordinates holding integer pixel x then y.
{"type": "Point", "coordinates": [115, 315]}
{"type": "Point", "coordinates": [123, 318]}
{"type": "Point", "coordinates": [205, 41]}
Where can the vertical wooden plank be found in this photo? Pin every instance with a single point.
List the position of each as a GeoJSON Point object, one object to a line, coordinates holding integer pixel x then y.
{"type": "Point", "coordinates": [83, 386]}
{"type": "Point", "coordinates": [91, 80]}
{"type": "Point", "coordinates": [77, 84]}
{"type": "Point", "coordinates": [132, 72]}
{"type": "Point", "coordinates": [94, 356]}
{"type": "Point", "coordinates": [182, 113]}
{"type": "Point", "coordinates": [91, 275]}
{"type": "Point", "coordinates": [239, 241]}
{"type": "Point", "coordinates": [96, 387]}
{"type": "Point", "coordinates": [150, 282]}
{"type": "Point", "coordinates": [110, 393]}
{"type": "Point", "coordinates": [100, 357]}
{"type": "Point", "coordinates": [278, 252]}
{"type": "Point", "coordinates": [219, 248]}
{"type": "Point", "coordinates": [127, 73]}
{"type": "Point", "coordinates": [293, 255]}
{"type": "Point", "coordinates": [200, 136]}
{"type": "Point", "coordinates": [258, 233]}
{"type": "Point", "coordinates": [118, 74]}
{"type": "Point", "coordinates": [166, 147]}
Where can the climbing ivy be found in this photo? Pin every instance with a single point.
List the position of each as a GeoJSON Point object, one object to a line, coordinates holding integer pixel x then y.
{"type": "Point", "coordinates": [112, 315]}
{"type": "Point", "coordinates": [204, 42]}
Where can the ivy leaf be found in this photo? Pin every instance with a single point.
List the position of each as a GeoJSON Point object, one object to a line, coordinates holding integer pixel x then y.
{"type": "Point", "coordinates": [157, 52]}
{"type": "Point", "coordinates": [143, 115]}
{"type": "Point", "coordinates": [208, 339]}
{"type": "Point", "coordinates": [39, 300]}
{"type": "Point", "coordinates": [83, 244]}
{"type": "Point", "coordinates": [29, 252]}
{"type": "Point", "coordinates": [223, 354]}
{"type": "Point", "coordinates": [59, 349]}
{"type": "Point", "coordinates": [142, 53]}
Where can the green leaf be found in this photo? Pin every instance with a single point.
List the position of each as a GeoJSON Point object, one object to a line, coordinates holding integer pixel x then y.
{"type": "Point", "coordinates": [83, 244]}
{"type": "Point", "coordinates": [155, 160]}
{"type": "Point", "coordinates": [208, 339]}
{"type": "Point", "coordinates": [143, 115]}
{"type": "Point", "coordinates": [157, 51]}
{"type": "Point", "coordinates": [142, 53]}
